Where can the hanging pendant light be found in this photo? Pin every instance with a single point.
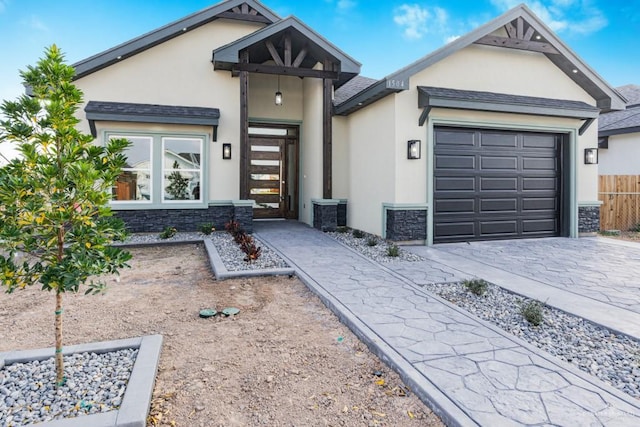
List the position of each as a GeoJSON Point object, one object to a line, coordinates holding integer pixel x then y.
{"type": "Point", "coordinates": [278, 94]}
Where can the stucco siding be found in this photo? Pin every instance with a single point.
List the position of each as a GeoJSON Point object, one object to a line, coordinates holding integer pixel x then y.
{"type": "Point", "coordinates": [311, 149]}
{"type": "Point", "coordinates": [262, 90]}
{"type": "Point", "coordinates": [622, 157]}
{"type": "Point", "coordinates": [340, 157]}
{"type": "Point", "coordinates": [372, 174]}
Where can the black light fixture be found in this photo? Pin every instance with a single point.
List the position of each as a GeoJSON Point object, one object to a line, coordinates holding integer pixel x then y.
{"type": "Point", "coordinates": [590, 156]}
{"type": "Point", "coordinates": [278, 93]}
{"type": "Point", "coordinates": [226, 151]}
{"type": "Point", "coordinates": [413, 149]}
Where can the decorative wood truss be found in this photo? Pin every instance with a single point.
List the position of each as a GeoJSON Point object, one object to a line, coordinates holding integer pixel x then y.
{"type": "Point", "coordinates": [244, 12]}
{"type": "Point", "coordinates": [291, 56]}
{"type": "Point", "coordinates": [520, 35]}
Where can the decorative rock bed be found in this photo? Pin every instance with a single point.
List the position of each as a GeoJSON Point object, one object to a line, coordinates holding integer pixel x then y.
{"type": "Point", "coordinates": [377, 252]}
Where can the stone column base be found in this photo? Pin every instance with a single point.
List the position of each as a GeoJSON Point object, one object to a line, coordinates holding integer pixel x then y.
{"type": "Point", "coordinates": [405, 223]}
{"type": "Point", "coordinates": [588, 219]}
{"type": "Point", "coordinates": [325, 214]}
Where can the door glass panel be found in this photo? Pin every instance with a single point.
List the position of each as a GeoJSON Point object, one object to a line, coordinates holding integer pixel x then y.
{"type": "Point", "coordinates": [265, 191]}
{"type": "Point", "coordinates": [269, 148]}
{"type": "Point", "coordinates": [265, 162]}
{"type": "Point", "coordinates": [264, 177]}
{"type": "Point", "coordinates": [267, 206]}
{"type": "Point", "coordinates": [267, 131]}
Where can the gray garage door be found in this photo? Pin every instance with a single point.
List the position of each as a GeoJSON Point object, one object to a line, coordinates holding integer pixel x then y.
{"type": "Point", "coordinates": [496, 185]}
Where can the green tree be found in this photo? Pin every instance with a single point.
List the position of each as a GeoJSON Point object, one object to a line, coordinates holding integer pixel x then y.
{"type": "Point", "coordinates": [178, 185]}
{"type": "Point", "coordinates": [56, 228]}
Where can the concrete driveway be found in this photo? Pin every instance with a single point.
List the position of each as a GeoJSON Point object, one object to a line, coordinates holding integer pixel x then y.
{"type": "Point", "coordinates": [596, 278]}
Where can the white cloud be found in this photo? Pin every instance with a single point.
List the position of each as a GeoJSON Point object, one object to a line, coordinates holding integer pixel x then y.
{"type": "Point", "coordinates": [36, 23]}
{"type": "Point", "coordinates": [570, 16]}
{"type": "Point", "coordinates": [450, 39]}
{"type": "Point", "coordinates": [416, 21]}
{"type": "Point", "coordinates": [343, 5]}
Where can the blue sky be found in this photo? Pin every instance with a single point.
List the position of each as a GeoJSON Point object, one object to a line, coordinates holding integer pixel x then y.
{"type": "Point", "coordinates": [383, 35]}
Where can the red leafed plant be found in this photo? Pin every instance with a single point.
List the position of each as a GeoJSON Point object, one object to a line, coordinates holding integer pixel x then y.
{"type": "Point", "coordinates": [247, 243]}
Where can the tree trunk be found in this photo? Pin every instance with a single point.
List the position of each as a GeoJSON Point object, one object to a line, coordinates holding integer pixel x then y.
{"type": "Point", "coordinates": [60, 380]}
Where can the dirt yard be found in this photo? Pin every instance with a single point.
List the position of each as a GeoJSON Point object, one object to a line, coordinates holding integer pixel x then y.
{"type": "Point", "coordinates": [284, 360]}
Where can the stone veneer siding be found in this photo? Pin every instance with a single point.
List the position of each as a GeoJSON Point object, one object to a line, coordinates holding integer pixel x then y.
{"type": "Point", "coordinates": [406, 224]}
{"type": "Point", "coordinates": [588, 219]}
{"type": "Point", "coordinates": [155, 220]}
{"type": "Point", "coordinates": [325, 217]}
{"type": "Point", "coordinates": [342, 214]}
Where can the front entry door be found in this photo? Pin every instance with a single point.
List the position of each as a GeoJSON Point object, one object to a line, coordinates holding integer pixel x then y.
{"type": "Point", "coordinates": [273, 171]}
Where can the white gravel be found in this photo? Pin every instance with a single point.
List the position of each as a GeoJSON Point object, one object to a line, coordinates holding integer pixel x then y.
{"type": "Point", "coordinates": [377, 252]}
{"type": "Point", "coordinates": [95, 383]}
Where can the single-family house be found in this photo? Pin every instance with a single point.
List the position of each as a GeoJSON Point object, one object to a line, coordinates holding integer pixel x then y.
{"type": "Point", "coordinates": [482, 139]}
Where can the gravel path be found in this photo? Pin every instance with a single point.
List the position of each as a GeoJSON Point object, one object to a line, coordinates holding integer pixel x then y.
{"type": "Point", "coordinates": [95, 383]}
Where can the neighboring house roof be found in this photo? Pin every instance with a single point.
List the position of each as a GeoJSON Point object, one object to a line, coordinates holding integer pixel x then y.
{"type": "Point", "coordinates": [245, 10]}
{"type": "Point", "coordinates": [625, 121]}
{"type": "Point", "coordinates": [150, 113]}
{"type": "Point", "coordinates": [537, 37]}
{"type": "Point", "coordinates": [311, 47]}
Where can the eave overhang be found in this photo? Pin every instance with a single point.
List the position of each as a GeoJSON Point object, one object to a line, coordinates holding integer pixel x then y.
{"type": "Point", "coordinates": [127, 112]}
{"type": "Point", "coordinates": [434, 97]}
{"type": "Point", "coordinates": [244, 10]}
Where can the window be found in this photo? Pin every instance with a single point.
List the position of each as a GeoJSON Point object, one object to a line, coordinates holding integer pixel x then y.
{"type": "Point", "coordinates": [135, 182]}
{"type": "Point", "coordinates": [161, 169]}
{"type": "Point", "coordinates": [181, 168]}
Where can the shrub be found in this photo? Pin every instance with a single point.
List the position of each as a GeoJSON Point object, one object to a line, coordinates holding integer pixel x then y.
{"type": "Point", "coordinates": [532, 312]}
{"type": "Point", "coordinates": [636, 228]}
{"type": "Point", "coordinates": [476, 286]}
{"type": "Point", "coordinates": [393, 251]}
{"type": "Point", "coordinates": [372, 241]}
{"type": "Point", "coordinates": [168, 232]}
{"type": "Point", "coordinates": [207, 228]}
{"type": "Point", "coordinates": [358, 234]}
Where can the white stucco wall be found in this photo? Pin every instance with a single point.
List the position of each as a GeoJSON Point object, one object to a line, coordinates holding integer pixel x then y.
{"type": "Point", "coordinates": [180, 72]}
{"type": "Point", "coordinates": [340, 157]}
{"type": "Point", "coordinates": [262, 90]}
{"type": "Point", "coordinates": [372, 168]}
{"type": "Point", "coordinates": [622, 157]}
{"type": "Point", "coordinates": [311, 149]}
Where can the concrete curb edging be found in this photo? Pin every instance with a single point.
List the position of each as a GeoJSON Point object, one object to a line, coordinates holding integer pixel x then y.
{"type": "Point", "coordinates": [221, 272]}
{"type": "Point", "coordinates": [137, 397]}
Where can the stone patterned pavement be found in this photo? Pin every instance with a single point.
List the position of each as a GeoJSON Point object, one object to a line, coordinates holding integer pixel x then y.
{"type": "Point", "coordinates": [597, 268]}
{"type": "Point", "coordinates": [468, 371]}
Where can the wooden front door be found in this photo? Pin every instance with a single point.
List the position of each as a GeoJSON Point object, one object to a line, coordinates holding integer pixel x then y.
{"type": "Point", "coordinates": [273, 171]}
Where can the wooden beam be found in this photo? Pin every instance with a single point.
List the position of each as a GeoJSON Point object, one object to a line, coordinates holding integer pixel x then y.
{"type": "Point", "coordinates": [287, 49]}
{"type": "Point", "coordinates": [274, 53]}
{"type": "Point", "coordinates": [510, 43]}
{"type": "Point", "coordinates": [511, 31]}
{"type": "Point", "coordinates": [245, 9]}
{"type": "Point", "coordinates": [236, 10]}
{"type": "Point", "coordinates": [520, 28]}
{"type": "Point", "coordinates": [301, 55]}
{"type": "Point", "coordinates": [244, 128]}
{"type": "Point", "coordinates": [239, 16]}
{"type": "Point", "coordinates": [327, 140]}
{"type": "Point", "coordinates": [529, 33]}
{"type": "Point", "coordinates": [253, 12]}
{"type": "Point", "coordinates": [288, 71]}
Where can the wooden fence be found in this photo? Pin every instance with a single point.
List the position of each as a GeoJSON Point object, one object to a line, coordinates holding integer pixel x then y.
{"type": "Point", "coordinates": [620, 197]}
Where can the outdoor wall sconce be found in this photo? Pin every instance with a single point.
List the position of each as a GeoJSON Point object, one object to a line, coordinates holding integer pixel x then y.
{"type": "Point", "coordinates": [591, 156]}
{"type": "Point", "coordinates": [226, 151]}
{"type": "Point", "coordinates": [413, 149]}
{"type": "Point", "coordinates": [278, 94]}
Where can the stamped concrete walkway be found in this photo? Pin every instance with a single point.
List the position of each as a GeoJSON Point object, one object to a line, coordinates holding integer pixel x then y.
{"type": "Point", "coordinates": [468, 371]}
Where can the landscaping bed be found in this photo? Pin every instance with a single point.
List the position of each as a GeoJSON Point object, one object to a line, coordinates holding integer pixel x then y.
{"type": "Point", "coordinates": [283, 360]}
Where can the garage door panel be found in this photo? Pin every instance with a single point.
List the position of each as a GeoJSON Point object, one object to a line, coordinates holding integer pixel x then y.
{"type": "Point", "coordinates": [540, 164]}
{"type": "Point", "coordinates": [540, 204]}
{"type": "Point", "coordinates": [456, 206]}
{"type": "Point", "coordinates": [503, 228]}
{"type": "Point", "coordinates": [455, 162]}
{"type": "Point", "coordinates": [492, 163]}
{"type": "Point", "coordinates": [447, 183]}
{"type": "Point", "coordinates": [498, 140]}
{"type": "Point", "coordinates": [498, 205]}
{"type": "Point", "coordinates": [512, 190]}
{"type": "Point", "coordinates": [498, 184]}
{"type": "Point", "coordinates": [550, 183]}
{"type": "Point", "coordinates": [548, 142]}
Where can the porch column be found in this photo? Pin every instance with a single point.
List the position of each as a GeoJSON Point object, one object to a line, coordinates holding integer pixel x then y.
{"type": "Point", "coordinates": [244, 127]}
{"type": "Point", "coordinates": [327, 188]}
